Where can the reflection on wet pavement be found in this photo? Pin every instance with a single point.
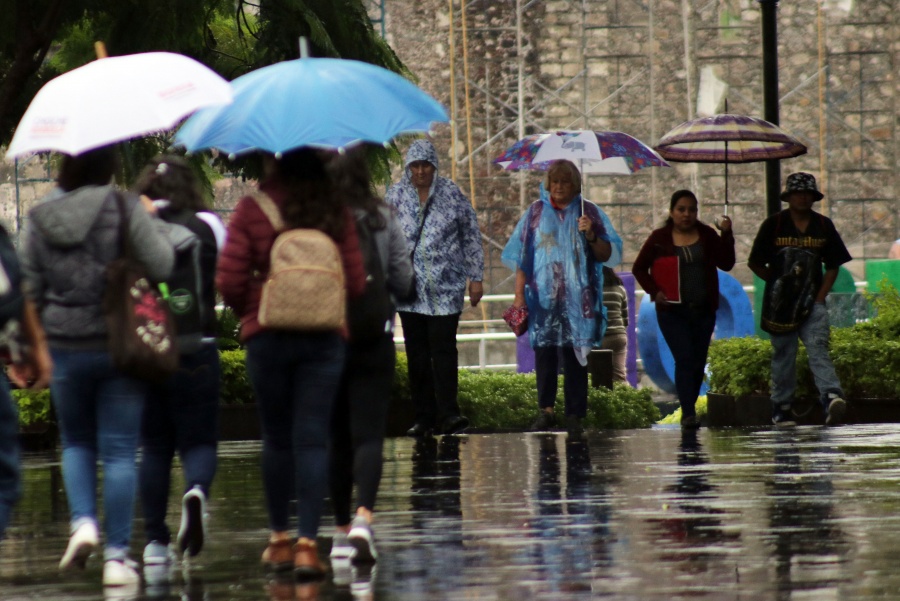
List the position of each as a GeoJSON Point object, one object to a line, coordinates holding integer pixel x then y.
{"type": "Point", "coordinates": [632, 515]}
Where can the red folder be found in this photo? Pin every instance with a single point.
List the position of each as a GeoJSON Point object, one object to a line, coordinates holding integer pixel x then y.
{"type": "Point", "coordinates": [667, 276]}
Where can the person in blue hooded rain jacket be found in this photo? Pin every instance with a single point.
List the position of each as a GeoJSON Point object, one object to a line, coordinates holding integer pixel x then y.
{"type": "Point", "coordinates": [558, 251]}
{"type": "Point", "coordinates": [442, 233]}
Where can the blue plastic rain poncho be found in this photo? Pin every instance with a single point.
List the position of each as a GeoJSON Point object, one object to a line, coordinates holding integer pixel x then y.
{"type": "Point", "coordinates": [563, 281]}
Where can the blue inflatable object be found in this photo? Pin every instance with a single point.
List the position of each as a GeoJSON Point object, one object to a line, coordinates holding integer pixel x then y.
{"type": "Point", "coordinates": [733, 319]}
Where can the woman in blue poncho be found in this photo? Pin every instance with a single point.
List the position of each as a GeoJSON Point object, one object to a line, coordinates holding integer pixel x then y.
{"type": "Point", "coordinates": [558, 250]}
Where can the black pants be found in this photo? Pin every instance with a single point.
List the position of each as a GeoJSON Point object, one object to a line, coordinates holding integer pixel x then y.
{"type": "Point", "coordinates": [546, 366]}
{"type": "Point", "coordinates": [358, 424]}
{"type": "Point", "coordinates": [433, 364]}
{"type": "Point", "coordinates": [688, 332]}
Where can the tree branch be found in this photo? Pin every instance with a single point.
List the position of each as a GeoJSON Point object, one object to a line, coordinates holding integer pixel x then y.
{"type": "Point", "coordinates": [31, 47]}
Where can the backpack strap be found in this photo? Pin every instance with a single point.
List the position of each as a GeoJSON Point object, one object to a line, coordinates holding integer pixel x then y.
{"type": "Point", "coordinates": [270, 210]}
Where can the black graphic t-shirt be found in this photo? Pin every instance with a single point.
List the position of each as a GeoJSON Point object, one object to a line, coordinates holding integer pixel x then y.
{"type": "Point", "coordinates": [795, 260]}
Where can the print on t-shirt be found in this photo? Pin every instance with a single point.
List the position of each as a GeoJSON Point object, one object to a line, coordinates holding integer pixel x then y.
{"type": "Point", "coordinates": [792, 294]}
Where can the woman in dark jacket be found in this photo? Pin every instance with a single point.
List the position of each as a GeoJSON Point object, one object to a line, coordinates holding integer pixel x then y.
{"type": "Point", "coordinates": [687, 322]}
{"type": "Point", "coordinates": [361, 409]}
{"type": "Point", "coordinates": [182, 412]}
{"type": "Point", "coordinates": [295, 374]}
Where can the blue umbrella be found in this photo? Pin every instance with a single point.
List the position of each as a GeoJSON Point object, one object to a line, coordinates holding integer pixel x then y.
{"type": "Point", "coordinates": [323, 102]}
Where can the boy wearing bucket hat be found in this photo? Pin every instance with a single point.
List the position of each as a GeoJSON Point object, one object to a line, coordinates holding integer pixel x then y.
{"type": "Point", "coordinates": [789, 253]}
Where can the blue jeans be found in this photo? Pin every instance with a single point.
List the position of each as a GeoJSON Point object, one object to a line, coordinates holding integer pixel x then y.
{"type": "Point", "coordinates": [295, 377]}
{"type": "Point", "coordinates": [687, 332]}
{"type": "Point", "coordinates": [815, 333]}
{"type": "Point", "coordinates": [10, 475]}
{"type": "Point", "coordinates": [99, 412]}
{"type": "Point", "coordinates": [182, 414]}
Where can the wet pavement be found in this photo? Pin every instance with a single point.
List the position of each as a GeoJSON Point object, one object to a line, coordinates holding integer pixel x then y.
{"type": "Point", "coordinates": [737, 514]}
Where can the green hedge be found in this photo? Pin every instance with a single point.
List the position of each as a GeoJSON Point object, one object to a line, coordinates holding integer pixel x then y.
{"type": "Point", "coordinates": [33, 405]}
{"type": "Point", "coordinates": [491, 400]}
{"type": "Point", "coordinates": [866, 357]}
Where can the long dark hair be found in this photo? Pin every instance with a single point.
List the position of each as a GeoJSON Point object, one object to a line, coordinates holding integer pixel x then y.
{"type": "Point", "coordinates": [610, 277]}
{"type": "Point", "coordinates": [171, 178]}
{"type": "Point", "coordinates": [676, 196]}
{"type": "Point", "coordinates": [353, 184]}
{"type": "Point", "coordinates": [92, 168]}
{"type": "Point", "coordinates": [311, 201]}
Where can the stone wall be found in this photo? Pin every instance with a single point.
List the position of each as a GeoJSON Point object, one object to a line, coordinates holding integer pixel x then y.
{"type": "Point", "coordinates": [626, 65]}
{"type": "Point", "coordinates": [629, 64]}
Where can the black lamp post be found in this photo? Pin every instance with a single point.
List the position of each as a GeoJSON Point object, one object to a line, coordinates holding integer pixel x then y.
{"type": "Point", "coordinates": [770, 97]}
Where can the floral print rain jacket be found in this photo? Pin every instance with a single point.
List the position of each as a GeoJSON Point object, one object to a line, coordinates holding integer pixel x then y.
{"type": "Point", "coordinates": [449, 252]}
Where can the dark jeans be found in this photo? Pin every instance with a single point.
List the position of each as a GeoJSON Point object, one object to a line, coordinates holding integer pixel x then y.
{"type": "Point", "coordinates": [433, 363]}
{"type": "Point", "coordinates": [180, 415]}
{"type": "Point", "coordinates": [295, 377]}
{"type": "Point", "coordinates": [10, 475]}
{"type": "Point", "coordinates": [358, 424]}
{"type": "Point", "coordinates": [546, 367]}
{"type": "Point", "coordinates": [688, 332]}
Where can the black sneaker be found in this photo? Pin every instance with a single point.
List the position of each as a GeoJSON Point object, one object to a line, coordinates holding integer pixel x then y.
{"type": "Point", "coordinates": [836, 409]}
{"type": "Point", "coordinates": [420, 430]}
{"type": "Point", "coordinates": [545, 421]}
{"type": "Point", "coordinates": [454, 425]}
{"type": "Point", "coordinates": [573, 425]}
{"type": "Point", "coordinates": [783, 417]}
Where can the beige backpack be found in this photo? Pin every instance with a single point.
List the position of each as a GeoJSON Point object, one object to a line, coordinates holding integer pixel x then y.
{"type": "Point", "coordinates": [304, 289]}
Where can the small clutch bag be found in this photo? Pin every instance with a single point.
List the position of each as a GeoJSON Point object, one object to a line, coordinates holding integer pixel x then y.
{"type": "Point", "coordinates": [517, 319]}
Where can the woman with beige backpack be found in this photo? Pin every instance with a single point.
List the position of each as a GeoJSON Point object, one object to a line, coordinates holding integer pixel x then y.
{"type": "Point", "coordinates": [295, 340]}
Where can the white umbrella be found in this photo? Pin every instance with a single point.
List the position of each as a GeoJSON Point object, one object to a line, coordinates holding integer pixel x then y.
{"type": "Point", "coordinates": [114, 99]}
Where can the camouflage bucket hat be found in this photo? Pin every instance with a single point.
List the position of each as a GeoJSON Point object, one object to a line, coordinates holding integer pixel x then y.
{"type": "Point", "coordinates": [801, 182]}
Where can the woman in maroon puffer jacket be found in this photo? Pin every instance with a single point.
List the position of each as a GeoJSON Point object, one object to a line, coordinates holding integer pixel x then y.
{"type": "Point", "coordinates": [294, 374]}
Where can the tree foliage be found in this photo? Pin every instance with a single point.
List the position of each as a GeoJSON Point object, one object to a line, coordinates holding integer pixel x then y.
{"type": "Point", "coordinates": [44, 38]}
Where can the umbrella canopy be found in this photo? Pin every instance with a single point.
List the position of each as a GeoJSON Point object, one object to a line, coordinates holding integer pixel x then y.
{"type": "Point", "coordinates": [728, 138]}
{"type": "Point", "coordinates": [606, 152]}
{"type": "Point", "coordinates": [323, 102]}
{"type": "Point", "coordinates": [114, 99]}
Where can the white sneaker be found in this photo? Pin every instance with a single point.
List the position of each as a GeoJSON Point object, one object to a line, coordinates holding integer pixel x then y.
{"type": "Point", "coordinates": [363, 584]}
{"type": "Point", "coordinates": [192, 532]}
{"type": "Point", "coordinates": [159, 564]}
{"type": "Point", "coordinates": [156, 553]}
{"type": "Point", "coordinates": [120, 572]}
{"type": "Point", "coordinates": [360, 536]}
{"type": "Point", "coordinates": [341, 549]}
{"type": "Point", "coordinates": [127, 592]}
{"type": "Point", "coordinates": [81, 544]}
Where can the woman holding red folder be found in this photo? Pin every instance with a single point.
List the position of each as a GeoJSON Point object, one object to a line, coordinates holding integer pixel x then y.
{"type": "Point", "coordinates": [677, 268]}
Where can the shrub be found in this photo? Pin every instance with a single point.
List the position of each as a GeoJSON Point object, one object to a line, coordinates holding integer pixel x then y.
{"type": "Point", "coordinates": [228, 328]}
{"type": "Point", "coordinates": [236, 387]}
{"type": "Point", "coordinates": [675, 416]}
{"type": "Point", "coordinates": [491, 400]}
{"type": "Point", "coordinates": [400, 390]}
{"type": "Point", "coordinates": [33, 405]}
{"type": "Point", "coordinates": [506, 400]}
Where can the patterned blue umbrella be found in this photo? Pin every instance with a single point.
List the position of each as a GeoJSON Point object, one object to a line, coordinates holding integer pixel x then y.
{"type": "Point", "coordinates": [608, 152]}
{"type": "Point", "coordinates": [320, 102]}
